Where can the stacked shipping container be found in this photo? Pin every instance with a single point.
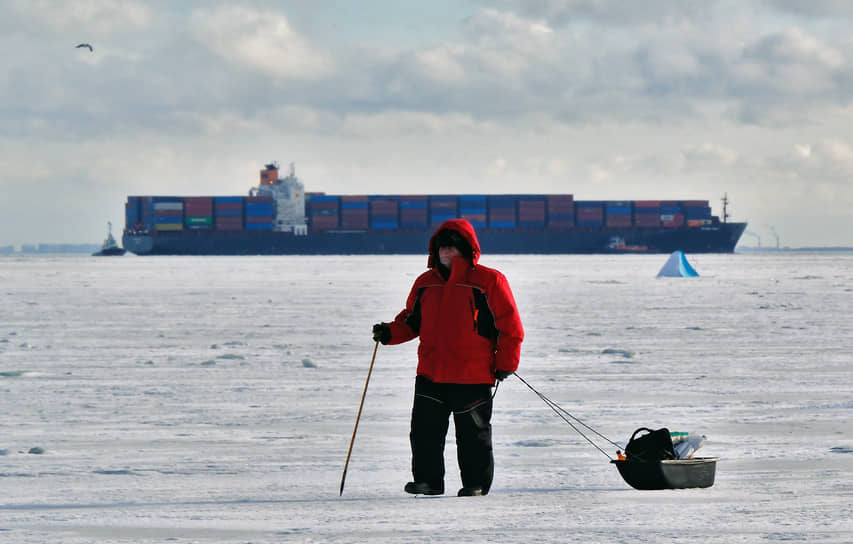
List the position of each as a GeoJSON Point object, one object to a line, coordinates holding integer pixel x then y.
{"type": "Point", "coordinates": [354, 213]}
{"type": "Point", "coordinates": [589, 213]}
{"type": "Point", "coordinates": [413, 212]}
{"type": "Point", "coordinates": [442, 208]}
{"type": "Point", "coordinates": [561, 211]}
{"type": "Point", "coordinates": [647, 213]}
{"type": "Point", "coordinates": [323, 212]}
{"type": "Point", "coordinates": [228, 213]}
{"type": "Point", "coordinates": [167, 212]}
{"type": "Point", "coordinates": [502, 211]}
{"type": "Point", "coordinates": [198, 212]}
{"type": "Point", "coordinates": [384, 213]}
{"type": "Point", "coordinates": [617, 214]}
{"type": "Point", "coordinates": [473, 208]}
{"type": "Point", "coordinates": [670, 214]}
{"type": "Point", "coordinates": [259, 213]}
{"type": "Point", "coordinates": [531, 212]}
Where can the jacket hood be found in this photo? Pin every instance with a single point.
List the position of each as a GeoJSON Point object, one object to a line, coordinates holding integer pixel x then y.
{"type": "Point", "coordinates": [465, 229]}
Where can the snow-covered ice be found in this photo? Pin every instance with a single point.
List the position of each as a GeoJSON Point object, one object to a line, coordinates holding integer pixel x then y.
{"type": "Point", "coordinates": [213, 400]}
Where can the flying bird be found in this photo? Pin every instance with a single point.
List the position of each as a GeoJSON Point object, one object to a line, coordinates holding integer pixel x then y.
{"type": "Point", "coordinates": [85, 45]}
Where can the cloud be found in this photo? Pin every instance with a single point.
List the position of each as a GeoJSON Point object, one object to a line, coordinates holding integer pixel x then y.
{"type": "Point", "coordinates": [825, 160]}
{"type": "Point", "coordinates": [261, 41]}
{"type": "Point", "coordinates": [708, 155]}
{"type": "Point", "coordinates": [97, 17]}
{"type": "Point", "coordinates": [821, 9]}
{"type": "Point", "coordinates": [611, 12]}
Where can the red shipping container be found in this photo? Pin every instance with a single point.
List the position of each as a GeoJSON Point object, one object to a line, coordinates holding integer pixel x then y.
{"type": "Point", "coordinates": [229, 206]}
{"type": "Point", "coordinates": [589, 214]}
{"type": "Point", "coordinates": [618, 220]}
{"type": "Point", "coordinates": [647, 203]}
{"type": "Point", "coordinates": [475, 217]}
{"type": "Point", "coordinates": [168, 213]}
{"type": "Point", "coordinates": [647, 220]}
{"type": "Point", "coordinates": [354, 213]}
{"type": "Point", "coordinates": [324, 223]}
{"type": "Point", "coordinates": [534, 205]}
{"type": "Point", "coordinates": [198, 211]}
{"type": "Point", "coordinates": [531, 215]}
{"type": "Point", "coordinates": [672, 221]}
{"type": "Point", "coordinates": [413, 214]}
{"type": "Point", "coordinates": [323, 205]}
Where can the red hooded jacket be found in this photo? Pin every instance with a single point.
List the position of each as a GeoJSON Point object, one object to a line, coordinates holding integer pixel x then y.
{"type": "Point", "coordinates": [468, 324]}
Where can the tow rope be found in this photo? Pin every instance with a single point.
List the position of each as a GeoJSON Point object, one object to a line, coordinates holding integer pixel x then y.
{"type": "Point", "coordinates": [562, 413]}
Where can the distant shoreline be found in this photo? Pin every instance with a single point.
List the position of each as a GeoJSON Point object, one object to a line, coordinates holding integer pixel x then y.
{"type": "Point", "coordinates": [791, 249]}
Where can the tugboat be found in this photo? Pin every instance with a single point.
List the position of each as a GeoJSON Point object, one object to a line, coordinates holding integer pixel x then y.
{"type": "Point", "coordinates": [110, 247]}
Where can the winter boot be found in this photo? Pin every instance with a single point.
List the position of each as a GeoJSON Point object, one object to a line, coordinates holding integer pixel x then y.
{"type": "Point", "coordinates": [423, 488]}
{"type": "Point", "coordinates": [471, 492]}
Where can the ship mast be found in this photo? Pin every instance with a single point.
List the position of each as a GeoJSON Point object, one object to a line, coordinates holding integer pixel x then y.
{"type": "Point", "coordinates": [725, 205]}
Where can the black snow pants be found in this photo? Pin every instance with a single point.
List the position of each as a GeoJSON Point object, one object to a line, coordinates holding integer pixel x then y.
{"type": "Point", "coordinates": [471, 406]}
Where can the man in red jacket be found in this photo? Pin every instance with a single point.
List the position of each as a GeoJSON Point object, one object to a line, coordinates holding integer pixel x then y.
{"type": "Point", "coordinates": [470, 335]}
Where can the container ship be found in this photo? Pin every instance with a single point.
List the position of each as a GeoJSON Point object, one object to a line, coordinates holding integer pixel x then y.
{"type": "Point", "coordinates": [279, 218]}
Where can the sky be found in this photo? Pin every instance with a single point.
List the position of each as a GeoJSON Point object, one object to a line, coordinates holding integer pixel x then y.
{"type": "Point", "coordinates": [606, 100]}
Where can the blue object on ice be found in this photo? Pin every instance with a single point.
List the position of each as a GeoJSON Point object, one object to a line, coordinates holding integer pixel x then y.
{"type": "Point", "coordinates": [677, 267]}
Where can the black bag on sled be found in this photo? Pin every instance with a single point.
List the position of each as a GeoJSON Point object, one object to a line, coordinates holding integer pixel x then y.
{"type": "Point", "coordinates": [652, 446]}
{"type": "Point", "coordinates": [650, 463]}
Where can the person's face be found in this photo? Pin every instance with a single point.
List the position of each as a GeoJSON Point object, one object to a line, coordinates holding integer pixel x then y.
{"type": "Point", "coordinates": [446, 254]}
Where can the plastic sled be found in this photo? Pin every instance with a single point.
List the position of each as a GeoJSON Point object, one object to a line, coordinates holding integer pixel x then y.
{"type": "Point", "coordinates": [668, 473]}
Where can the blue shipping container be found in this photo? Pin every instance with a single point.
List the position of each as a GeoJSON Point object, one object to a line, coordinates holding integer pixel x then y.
{"type": "Point", "coordinates": [324, 198]}
{"type": "Point", "coordinates": [392, 225]}
{"type": "Point", "coordinates": [561, 217]}
{"type": "Point", "coordinates": [228, 199]}
{"type": "Point", "coordinates": [691, 212]}
{"type": "Point", "coordinates": [258, 226]}
{"type": "Point", "coordinates": [255, 209]}
{"type": "Point", "coordinates": [618, 210]}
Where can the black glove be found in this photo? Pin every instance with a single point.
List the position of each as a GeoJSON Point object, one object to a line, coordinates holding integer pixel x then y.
{"type": "Point", "coordinates": [501, 375]}
{"type": "Point", "coordinates": [381, 333]}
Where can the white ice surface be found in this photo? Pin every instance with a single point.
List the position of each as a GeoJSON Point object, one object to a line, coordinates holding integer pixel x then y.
{"type": "Point", "coordinates": [213, 400]}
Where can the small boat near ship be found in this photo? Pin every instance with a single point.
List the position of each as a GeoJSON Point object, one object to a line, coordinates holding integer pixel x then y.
{"type": "Point", "coordinates": [110, 248]}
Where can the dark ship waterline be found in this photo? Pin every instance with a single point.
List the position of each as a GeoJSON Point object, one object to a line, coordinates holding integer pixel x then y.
{"type": "Point", "coordinates": [279, 218]}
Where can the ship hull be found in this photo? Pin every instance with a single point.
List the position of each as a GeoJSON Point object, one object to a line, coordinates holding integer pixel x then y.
{"type": "Point", "coordinates": [720, 238]}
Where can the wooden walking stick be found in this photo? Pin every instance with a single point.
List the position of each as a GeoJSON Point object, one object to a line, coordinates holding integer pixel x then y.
{"type": "Point", "coordinates": [358, 417]}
